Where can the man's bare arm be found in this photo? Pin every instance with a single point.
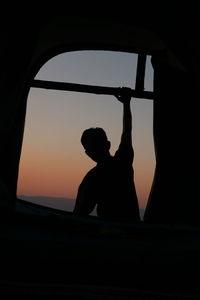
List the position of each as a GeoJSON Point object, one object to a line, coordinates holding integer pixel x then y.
{"type": "Point", "coordinates": [125, 98]}
{"type": "Point", "coordinates": [125, 148]}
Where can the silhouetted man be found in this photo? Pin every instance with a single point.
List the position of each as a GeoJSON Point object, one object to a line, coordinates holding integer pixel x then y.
{"type": "Point", "coordinates": [110, 184]}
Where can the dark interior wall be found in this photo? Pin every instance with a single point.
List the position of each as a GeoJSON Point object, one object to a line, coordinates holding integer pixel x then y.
{"type": "Point", "coordinates": [173, 196]}
{"type": "Point", "coordinates": [18, 45]}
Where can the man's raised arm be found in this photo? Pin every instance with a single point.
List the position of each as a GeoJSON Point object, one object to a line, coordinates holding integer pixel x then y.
{"type": "Point", "coordinates": [126, 138]}
{"type": "Point", "coordinates": [125, 98]}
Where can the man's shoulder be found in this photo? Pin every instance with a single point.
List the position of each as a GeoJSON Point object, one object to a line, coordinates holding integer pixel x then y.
{"type": "Point", "coordinates": [89, 179]}
{"type": "Point", "coordinates": [90, 173]}
{"type": "Point", "coordinates": [92, 170]}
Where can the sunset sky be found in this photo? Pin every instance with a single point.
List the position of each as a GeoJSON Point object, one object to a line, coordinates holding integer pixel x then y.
{"type": "Point", "coordinates": [53, 161]}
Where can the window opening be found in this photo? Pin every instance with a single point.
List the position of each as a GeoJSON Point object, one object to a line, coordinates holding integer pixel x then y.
{"type": "Point", "coordinates": [43, 106]}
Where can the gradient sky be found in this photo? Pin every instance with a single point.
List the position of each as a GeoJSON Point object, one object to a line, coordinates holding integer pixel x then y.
{"type": "Point", "coordinates": [53, 161]}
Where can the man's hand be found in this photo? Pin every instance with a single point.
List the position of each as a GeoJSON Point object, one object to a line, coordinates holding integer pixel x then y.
{"type": "Point", "coordinates": [125, 95]}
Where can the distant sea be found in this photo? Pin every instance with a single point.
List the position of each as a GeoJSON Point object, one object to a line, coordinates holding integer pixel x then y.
{"type": "Point", "coordinates": [65, 204]}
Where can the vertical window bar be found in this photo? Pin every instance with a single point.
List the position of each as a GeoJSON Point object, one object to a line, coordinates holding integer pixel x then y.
{"type": "Point", "coordinates": [140, 75]}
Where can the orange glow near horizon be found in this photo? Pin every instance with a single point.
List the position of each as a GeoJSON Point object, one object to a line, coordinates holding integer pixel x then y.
{"type": "Point", "coordinates": [53, 161]}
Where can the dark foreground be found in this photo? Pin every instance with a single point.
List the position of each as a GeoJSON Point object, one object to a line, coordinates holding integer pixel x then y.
{"type": "Point", "coordinates": [45, 252]}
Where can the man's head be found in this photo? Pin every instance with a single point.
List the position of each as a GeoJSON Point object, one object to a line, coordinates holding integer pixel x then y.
{"type": "Point", "coordinates": [95, 143]}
